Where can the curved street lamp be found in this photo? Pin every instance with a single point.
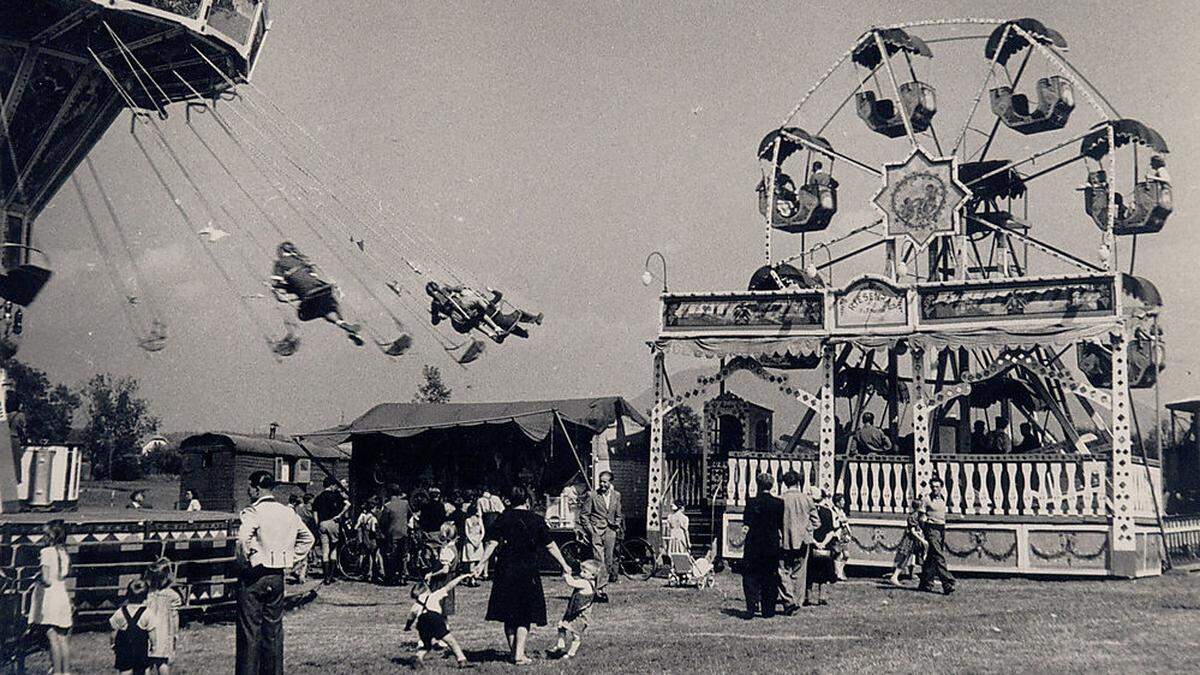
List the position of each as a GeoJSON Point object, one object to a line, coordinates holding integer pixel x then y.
{"type": "Point", "coordinates": [648, 277]}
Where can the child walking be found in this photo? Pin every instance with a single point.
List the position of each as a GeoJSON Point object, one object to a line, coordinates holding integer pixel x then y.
{"type": "Point", "coordinates": [51, 603]}
{"type": "Point", "coordinates": [431, 623]}
{"type": "Point", "coordinates": [162, 608]}
{"type": "Point", "coordinates": [575, 618]}
{"type": "Point", "coordinates": [912, 545]}
{"type": "Point", "coordinates": [131, 630]}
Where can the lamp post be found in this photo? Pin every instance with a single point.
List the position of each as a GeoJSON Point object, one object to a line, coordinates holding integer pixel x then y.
{"type": "Point", "coordinates": [648, 277]}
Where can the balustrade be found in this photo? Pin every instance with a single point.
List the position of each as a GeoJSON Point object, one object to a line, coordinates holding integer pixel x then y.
{"type": "Point", "coordinates": [1051, 485]}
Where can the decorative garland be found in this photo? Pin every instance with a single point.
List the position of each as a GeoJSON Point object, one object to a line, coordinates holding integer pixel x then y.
{"type": "Point", "coordinates": [1067, 548]}
{"type": "Point", "coordinates": [878, 542]}
{"type": "Point", "coordinates": [980, 547]}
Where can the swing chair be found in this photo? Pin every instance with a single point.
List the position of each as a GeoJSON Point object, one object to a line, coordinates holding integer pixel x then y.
{"type": "Point", "coordinates": [399, 346]}
{"type": "Point", "coordinates": [156, 339]}
{"type": "Point", "coordinates": [1151, 202]}
{"type": "Point", "coordinates": [495, 324]}
{"type": "Point", "coordinates": [295, 280]}
{"type": "Point", "coordinates": [1055, 94]}
{"type": "Point", "coordinates": [22, 283]}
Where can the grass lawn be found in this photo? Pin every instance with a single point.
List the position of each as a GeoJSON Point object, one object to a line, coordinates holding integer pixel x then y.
{"type": "Point", "coordinates": [162, 492]}
{"type": "Point", "coordinates": [993, 625]}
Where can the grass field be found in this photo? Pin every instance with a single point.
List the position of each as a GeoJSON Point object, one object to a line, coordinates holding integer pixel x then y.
{"type": "Point", "coordinates": [990, 625]}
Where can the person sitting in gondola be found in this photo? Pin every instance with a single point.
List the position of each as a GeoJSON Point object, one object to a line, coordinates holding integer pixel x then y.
{"type": "Point", "coordinates": [785, 193]}
{"type": "Point", "coordinates": [824, 184]}
{"type": "Point", "coordinates": [295, 279]}
{"type": "Point", "coordinates": [1097, 182]}
{"type": "Point", "coordinates": [468, 309]}
{"type": "Point", "coordinates": [1158, 171]}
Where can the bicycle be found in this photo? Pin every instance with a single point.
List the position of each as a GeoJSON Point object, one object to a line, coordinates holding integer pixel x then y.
{"type": "Point", "coordinates": [420, 556]}
{"type": "Point", "coordinates": [635, 558]}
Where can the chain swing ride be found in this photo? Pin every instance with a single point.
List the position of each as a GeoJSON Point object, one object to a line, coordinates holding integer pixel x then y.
{"type": "Point", "coordinates": [69, 68]}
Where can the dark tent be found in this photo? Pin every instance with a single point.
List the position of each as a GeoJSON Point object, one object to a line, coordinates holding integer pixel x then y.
{"type": "Point", "coordinates": [466, 447]}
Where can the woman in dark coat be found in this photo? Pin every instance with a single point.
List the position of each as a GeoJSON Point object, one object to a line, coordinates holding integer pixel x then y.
{"type": "Point", "coordinates": [516, 538]}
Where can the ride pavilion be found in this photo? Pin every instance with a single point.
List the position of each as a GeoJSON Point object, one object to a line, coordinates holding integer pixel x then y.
{"type": "Point", "coordinates": [951, 325]}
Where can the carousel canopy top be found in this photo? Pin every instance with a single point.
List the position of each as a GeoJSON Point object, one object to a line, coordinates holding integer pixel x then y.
{"type": "Point", "coordinates": [534, 418]}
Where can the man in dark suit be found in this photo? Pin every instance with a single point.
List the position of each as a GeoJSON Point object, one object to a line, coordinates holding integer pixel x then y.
{"type": "Point", "coordinates": [799, 520]}
{"type": "Point", "coordinates": [393, 524]}
{"type": "Point", "coordinates": [763, 522]}
{"type": "Point", "coordinates": [602, 520]}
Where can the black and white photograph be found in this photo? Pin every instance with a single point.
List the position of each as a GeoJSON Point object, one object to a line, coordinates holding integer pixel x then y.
{"type": "Point", "coordinates": [617, 336]}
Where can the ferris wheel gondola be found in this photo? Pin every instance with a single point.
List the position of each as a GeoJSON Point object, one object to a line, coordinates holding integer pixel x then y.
{"type": "Point", "coordinates": [1147, 212]}
{"type": "Point", "coordinates": [1055, 94]}
{"type": "Point", "coordinates": [809, 207]}
{"type": "Point", "coordinates": [918, 100]}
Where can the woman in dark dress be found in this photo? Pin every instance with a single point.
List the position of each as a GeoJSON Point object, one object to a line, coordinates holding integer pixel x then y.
{"type": "Point", "coordinates": [820, 562]}
{"type": "Point", "coordinates": [516, 538]}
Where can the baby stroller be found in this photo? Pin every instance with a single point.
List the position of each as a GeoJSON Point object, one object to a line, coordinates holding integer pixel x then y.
{"type": "Point", "coordinates": [694, 572]}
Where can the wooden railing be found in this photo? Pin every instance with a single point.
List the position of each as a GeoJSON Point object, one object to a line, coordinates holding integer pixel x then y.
{"type": "Point", "coordinates": [1147, 488]}
{"type": "Point", "coordinates": [1183, 538]}
{"type": "Point", "coordinates": [686, 475]}
{"type": "Point", "coordinates": [1051, 485]}
{"type": "Point", "coordinates": [1045, 486]}
{"type": "Point", "coordinates": [740, 483]}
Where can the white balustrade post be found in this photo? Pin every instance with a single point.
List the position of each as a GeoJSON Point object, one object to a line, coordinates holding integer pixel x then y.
{"type": "Point", "coordinates": [1124, 549]}
{"type": "Point", "coordinates": [922, 455]}
{"type": "Point", "coordinates": [825, 470]}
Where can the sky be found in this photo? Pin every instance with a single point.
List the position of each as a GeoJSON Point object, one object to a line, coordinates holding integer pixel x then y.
{"type": "Point", "coordinates": [545, 149]}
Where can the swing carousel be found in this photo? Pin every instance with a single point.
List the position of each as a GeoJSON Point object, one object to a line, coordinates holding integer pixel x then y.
{"type": "Point", "coordinates": [992, 288]}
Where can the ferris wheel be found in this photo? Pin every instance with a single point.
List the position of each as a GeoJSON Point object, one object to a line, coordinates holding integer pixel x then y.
{"type": "Point", "coordinates": [946, 170]}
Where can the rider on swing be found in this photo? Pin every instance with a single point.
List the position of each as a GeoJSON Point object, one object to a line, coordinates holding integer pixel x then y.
{"type": "Point", "coordinates": [294, 278]}
{"type": "Point", "coordinates": [467, 309]}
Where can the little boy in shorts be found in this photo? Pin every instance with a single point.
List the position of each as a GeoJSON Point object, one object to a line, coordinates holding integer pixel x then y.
{"type": "Point", "coordinates": [575, 618]}
{"type": "Point", "coordinates": [427, 613]}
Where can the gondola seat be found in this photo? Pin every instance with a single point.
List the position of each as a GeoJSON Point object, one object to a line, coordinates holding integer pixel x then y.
{"type": "Point", "coordinates": [1146, 215]}
{"type": "Point", "coordinates": [807, 209]}
{"type": "Point", "coordinates": [882, 115]}
{"type": "Point", "coordinates": [1095, 362]}
{"type": "Point", "coordinates": [1056, 100]}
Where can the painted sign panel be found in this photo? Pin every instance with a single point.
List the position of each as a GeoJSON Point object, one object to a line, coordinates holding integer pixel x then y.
{"type": "Point", "coordinates": [920, 198]}
{"type": "Point", "coordinates": [733, 541]}
{"type": "Point", "coordinates": [870, 302]}
{"type": "Point", "coordinates": [1055, 298]}
{"type": "Point", "coordinates": [736, 313]}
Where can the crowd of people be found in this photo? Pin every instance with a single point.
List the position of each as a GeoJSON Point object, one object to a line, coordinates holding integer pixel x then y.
{"type": "Point", "coordinates": [796, 545]}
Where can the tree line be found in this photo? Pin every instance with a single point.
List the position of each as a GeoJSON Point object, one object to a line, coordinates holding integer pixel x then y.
{"type": "Point", "coordinates": [114, 417]}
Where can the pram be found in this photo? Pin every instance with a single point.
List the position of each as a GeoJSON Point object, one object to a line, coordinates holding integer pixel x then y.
{"type": "Point", "coordinates": [694, 572]}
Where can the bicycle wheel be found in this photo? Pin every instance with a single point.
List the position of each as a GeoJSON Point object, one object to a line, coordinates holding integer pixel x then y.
{"type": "Point", "coordinates": [419, 562]}
{"type": "Point", "coordinates": [353, 560]}
{"type": "Point", "coordinates": [575, 552]}
{"type": "Point", "coordinates": [636, 559]}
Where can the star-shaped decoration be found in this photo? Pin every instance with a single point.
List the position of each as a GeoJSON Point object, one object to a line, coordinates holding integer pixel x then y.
{"type": "Point", "coordinates": [920, 198]}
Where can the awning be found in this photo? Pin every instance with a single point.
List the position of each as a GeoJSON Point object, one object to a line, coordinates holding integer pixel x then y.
{"type": "Point", "coordinates": [534, 418]}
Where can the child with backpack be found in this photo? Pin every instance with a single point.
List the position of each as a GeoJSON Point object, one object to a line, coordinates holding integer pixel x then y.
{"type": "Point", "coordinates": [131, 630]}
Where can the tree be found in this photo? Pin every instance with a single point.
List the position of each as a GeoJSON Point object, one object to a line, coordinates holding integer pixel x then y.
{"type": "Point", "coordinates": [433, 390]}
{"type": "Point", "coordinates": [48, 409]}
{"type": "Point", "coordinates": [117, 419]}
{"type": "Point", "coordinates": [681, 431]}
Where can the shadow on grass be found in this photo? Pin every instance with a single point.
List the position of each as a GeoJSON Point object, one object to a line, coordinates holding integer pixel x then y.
{"type": "Point", "coordinates": [737, 613]}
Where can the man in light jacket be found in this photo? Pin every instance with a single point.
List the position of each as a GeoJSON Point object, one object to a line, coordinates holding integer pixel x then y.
{"type": "Point", "coordinates": [271, 538]}
{"type": "Point", "coordinates": [799, 520]}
